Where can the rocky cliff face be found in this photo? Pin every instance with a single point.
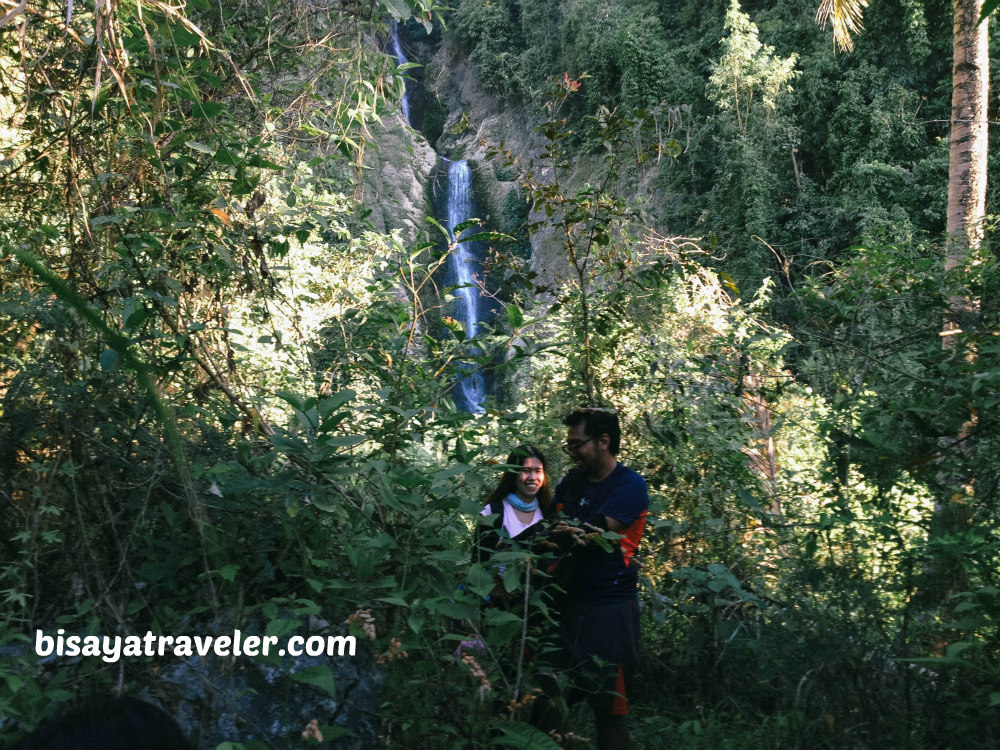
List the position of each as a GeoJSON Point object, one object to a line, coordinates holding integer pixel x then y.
{"type": "Point", "coordinates": [397, 178]}
{"type": "Point", "coordinates": [459, 120]}
{"type": "Point", "coordinates": [475, 122]}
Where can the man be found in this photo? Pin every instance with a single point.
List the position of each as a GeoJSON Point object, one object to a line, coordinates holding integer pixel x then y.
{"type": "Point", "coordinates": [600, 620]}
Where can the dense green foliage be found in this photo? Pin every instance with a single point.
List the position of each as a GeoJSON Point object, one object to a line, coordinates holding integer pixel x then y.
{"type": "Point", "coordinates": [785, 142]}
{"type": "Point", "coordinates": [225, 397]}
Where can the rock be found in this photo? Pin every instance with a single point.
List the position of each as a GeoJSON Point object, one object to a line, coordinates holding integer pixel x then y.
{"type": "Point", "coordinates": [396, 179]}
{"type": "Point", "coordinates": [476, 121]}
{"type": "Point", "coordinates": [220, 699]}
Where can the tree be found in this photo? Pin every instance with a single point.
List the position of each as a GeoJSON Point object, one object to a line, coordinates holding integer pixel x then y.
{"type": "Point", "coordinates": [967, 168]}
{"type": "Point", "coordinates": [967, 163]}
{"type": "Point", "coordinates": [967, 173]}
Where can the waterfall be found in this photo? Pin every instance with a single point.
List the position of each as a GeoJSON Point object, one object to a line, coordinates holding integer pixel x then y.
{"type": "Point", "coordinates": [397, 51]}
{"type": "Point", "coordinates": [470, 392]}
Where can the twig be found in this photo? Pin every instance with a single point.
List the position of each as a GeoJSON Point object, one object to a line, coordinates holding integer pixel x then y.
{"type": "Point", "coordinates": [9, 16]}
{"type": "Point", "coordinates": [524, 626]}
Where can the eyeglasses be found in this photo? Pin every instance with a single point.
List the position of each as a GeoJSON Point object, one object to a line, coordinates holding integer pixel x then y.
{"type": "Point", "coordinates": [574, 445]}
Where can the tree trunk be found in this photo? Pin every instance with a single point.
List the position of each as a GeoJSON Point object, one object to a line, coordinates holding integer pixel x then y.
{"type": "Point", "coordinates": [967, 168]}
{"type": "Point", "coordinates": [967, 157]}
{"type": "Point", "coordinates": [967, 171]}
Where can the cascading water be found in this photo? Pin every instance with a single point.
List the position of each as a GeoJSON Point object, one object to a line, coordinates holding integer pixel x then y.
{"type": "Point", "coordinates": [397, 51]}
{"type": "Point", "coordinates": [470, 391]}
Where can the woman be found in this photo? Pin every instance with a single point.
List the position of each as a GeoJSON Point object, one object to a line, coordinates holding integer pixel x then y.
{"type": "Point", "coordinates": [520, 502]}
{"type": "Point", "coordinates": [513, 512]}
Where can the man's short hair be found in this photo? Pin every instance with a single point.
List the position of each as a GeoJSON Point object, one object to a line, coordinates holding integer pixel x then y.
{"type": "Point", "coordinates": [597, 421]}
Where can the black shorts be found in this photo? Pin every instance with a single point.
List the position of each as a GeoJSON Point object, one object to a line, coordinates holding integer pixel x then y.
{"type": "Point", "coordinates": [600, 651]}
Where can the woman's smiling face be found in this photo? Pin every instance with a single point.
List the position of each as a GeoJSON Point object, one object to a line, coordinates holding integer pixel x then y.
{"type": "Point", "coordinates": [530, 479]}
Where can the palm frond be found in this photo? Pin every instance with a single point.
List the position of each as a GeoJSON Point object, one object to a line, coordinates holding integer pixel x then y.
{"type": "Point", "coordinates": [846, 18]}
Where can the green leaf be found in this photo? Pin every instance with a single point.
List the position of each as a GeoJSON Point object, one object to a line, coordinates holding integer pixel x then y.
{"type": "Point", "coordinates": [227, 158]}
{"type": "Point", "coordinates": [262, 163]}
{"type": "Point", "coordinates": [394, 600]}
{"type": "Point", "coordinates": [435, 222]}
{"type": "Point", "coordinates": [398, 9]}
{"type": "Point", "coordinates": [208, 110]}
{"type": "Point", "coordinates": [749, 500]}
{"type": "Point", "coordinates": [136, 319]}
{"type": "Point", "coordinates": [292, 399]}
{"type": "Point", "coordinates": [320, 676]}
{"type": "Point", "coordinates": [344, 441]}
{"type": "Point", "coordinates": [331, 732]}
{"type": "Point", "coordinates": [98, 221]}
{"type": "Point", "coordinates": [416, 252]}
{"type": "Point", "coordinates": [228, 572]}
{"type": "Point", "coordinates": [514, 316]}
{"type": "Point", "coordinates": [451, 471]}
{"type": "Point", "coordinates": [521, 735]}
{"type": "Point", "coordinates": [480, 582]}
{"type": "Point", "coordinates": [494, 616]}
{"type": "Point", "coordinates": [955, 649]}
{"type": "Point", "coordinates": [329, 404]}
{"type": "Point", "coordinates": [729, 282]}
{"type": "Point", "coordinates": [243, 184]}
{"type": "Point", "coordinates": [454, 609]}
{"type": "Point", "coordinates": [110, 359]}
{"type": "Point", "coordinates": [473, 222]}
{"type": "Point", "coordinates": [485, 237]}
{"type": "Point", "coordinates": [199, 147]}
{"type": "Point", "coordinates": [281, 626]}
{"type": "Point", "coordinates": [461, 126]}
{"type": "Point", "coordinates": [455, 327]}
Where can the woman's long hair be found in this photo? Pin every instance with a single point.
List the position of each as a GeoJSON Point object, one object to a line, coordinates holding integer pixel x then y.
{"type": "Point", "coordinates": [508, 482]}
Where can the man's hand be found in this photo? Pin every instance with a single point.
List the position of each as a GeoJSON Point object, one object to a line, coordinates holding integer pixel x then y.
{"type": "Point", "coordinates": [613, 523]}
{"type": "Point", "coordinates": [574, 536]}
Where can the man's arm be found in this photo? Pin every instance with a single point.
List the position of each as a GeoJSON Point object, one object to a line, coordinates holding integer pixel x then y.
{"type": "Point", "coordinates": [605, 523]}
{"type": "Point", "coordinates": [626, 503]}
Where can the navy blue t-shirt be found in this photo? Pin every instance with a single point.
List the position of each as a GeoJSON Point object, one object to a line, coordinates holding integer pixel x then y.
{"type": "Point", "coordinates": [622, 495]}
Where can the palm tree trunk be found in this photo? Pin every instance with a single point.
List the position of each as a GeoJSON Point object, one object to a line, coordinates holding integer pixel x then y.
{"type": "Point", "coordinates": [967, 170]}
{"type": "Point", "coordinates": [967, 158]}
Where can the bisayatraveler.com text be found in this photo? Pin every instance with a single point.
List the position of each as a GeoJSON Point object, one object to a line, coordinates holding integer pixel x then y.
{"type": "Point", "coordinates": [112, 648]}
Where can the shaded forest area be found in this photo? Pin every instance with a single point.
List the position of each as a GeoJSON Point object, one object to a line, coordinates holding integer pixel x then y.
{"type": "Point", "coordinates": [226, 394]}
